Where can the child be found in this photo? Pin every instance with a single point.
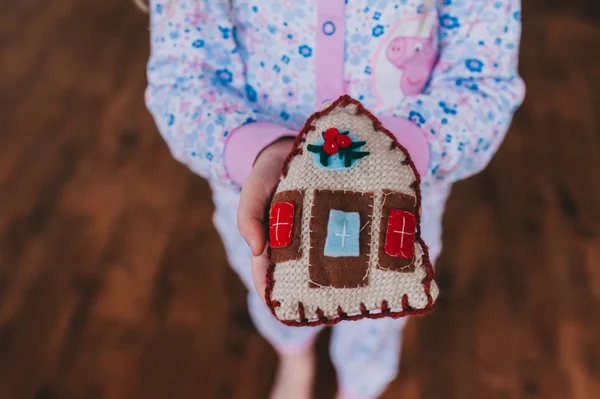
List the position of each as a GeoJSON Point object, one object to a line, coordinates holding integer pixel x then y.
{"type": "Point", "coordinates": [231, 82]}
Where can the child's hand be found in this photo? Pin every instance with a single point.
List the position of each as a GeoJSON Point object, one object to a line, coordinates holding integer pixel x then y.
{"type": "Point", "coordinates": [254, 203]}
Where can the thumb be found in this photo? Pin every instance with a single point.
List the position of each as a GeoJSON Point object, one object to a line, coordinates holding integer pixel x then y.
{"type": "Point", "coordinates": [256, 195]}
{"type": "Point", "coordinates": [252, 209]}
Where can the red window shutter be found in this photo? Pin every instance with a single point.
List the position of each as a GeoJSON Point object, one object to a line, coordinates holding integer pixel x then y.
{"type": "Point", "coordinates": [281, 222]}
{"type": "Point", "coordinates": [400, 235]}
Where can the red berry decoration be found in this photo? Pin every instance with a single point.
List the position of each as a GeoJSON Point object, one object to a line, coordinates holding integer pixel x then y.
{"type": "Point", "coordinates": [331, 133]}
{"type": "Point", "coordinates": [337, 142]}
{"type": "Point", "coordinates": [330, 147]}
{"type": "Point", "coordinates": [343, 140]}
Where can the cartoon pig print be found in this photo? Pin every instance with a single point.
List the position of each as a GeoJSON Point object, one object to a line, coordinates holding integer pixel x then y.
{"type": "Point", "coordinates": [415, 56]}
{"type": "Point", "coordinates": [402, 64]}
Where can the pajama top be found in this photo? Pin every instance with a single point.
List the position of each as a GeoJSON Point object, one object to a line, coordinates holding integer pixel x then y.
{"type": "Point", "coordinates": [228, 77]}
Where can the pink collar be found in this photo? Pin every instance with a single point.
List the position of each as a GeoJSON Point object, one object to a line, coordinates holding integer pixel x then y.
{"type": "Point", "coordinates": [330, 50]}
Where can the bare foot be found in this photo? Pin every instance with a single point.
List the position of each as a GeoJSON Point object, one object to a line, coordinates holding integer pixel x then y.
{"type": "Point", "coordinates": [295, 376]}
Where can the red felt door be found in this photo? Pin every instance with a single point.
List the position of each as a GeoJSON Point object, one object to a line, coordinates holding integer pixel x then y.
{"type": "Point", "coordinates": [397, 232]}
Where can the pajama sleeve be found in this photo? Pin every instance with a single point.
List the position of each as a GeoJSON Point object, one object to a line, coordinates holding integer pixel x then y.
{"type": "Point", "coordinates": [197, 91]}
{"type": "Point", "coordinates": [467, 106]}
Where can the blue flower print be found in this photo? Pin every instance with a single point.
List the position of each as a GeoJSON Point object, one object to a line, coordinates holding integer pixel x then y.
{"type": "Point", "coordinates": [305, 51]}
{"type": "Point", "coordinates": [224, 76]}
{"type": "Point", "coordinates": [447, 108]}
{"type": "Point", "coordinates": [416, 117]}
{"type": "Point", "coordinates": [474, 65]}
{"type": "Point", "coordinates": [468, 83]}
{"type": "Point", "coordinates": [225, 32]}
{"type": "Point", "coordinates": [517, 16]}
{"type": "Point", "coordinates": [250, 93]}
{"type": "Point", "coordinates": [449, 22]}
{"type": "Point", "coordinates": [206, 41]}
{"type": "Point", "coordinates": [378, 30]}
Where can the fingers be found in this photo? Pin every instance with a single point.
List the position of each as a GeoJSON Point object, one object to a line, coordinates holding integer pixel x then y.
{"type": "Point", "coordinates": [260, 264]}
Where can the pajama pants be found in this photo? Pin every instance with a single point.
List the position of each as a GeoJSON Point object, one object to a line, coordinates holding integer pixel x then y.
{"type": "Point", "coordinates": [365, 353]}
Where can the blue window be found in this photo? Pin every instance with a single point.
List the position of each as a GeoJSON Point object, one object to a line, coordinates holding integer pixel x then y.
{"type": "Point", "coordinates": [343, 229]}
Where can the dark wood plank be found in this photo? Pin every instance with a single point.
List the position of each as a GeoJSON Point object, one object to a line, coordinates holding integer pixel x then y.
{"type": "Point", "coordinates": [114, 283]}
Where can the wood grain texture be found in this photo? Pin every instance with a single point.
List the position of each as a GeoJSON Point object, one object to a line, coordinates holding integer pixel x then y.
{"type": "Point", "coordinates": [114, 284]}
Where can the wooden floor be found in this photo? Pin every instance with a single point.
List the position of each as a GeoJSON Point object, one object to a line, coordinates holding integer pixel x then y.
{"type": "Point", "coordinates": [114, 284]}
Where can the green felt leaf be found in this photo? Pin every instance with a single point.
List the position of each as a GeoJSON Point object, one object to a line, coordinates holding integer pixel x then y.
{"type": "Point", "coordinates": [356, 144]}
{"type": "Point", "coordinates": [324, 158]}
{"type": "Point", "coordinates": [315, 148]}
{"type": "Point", "coordinates": [351, 155]}
{"type": "Point", "coordinates": [348, 161]}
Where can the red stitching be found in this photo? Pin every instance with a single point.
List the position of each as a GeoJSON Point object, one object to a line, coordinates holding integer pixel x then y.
{"type": "Point", "coordinates": [321, 315]}
{"type": "Point", "coordinates": [405, 304]}
{"type": "Point", "coordinates": [344, 101]}
{"type": "Point", "coordinates": [301, 312]}
{"type": "Point", "coordinates": [363, 309]}
{"type": "Point", "coordinates": [384, 307]}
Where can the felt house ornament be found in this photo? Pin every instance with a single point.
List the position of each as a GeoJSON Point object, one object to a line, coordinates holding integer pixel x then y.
{"type": "Point", "coordinates": [344, 231]}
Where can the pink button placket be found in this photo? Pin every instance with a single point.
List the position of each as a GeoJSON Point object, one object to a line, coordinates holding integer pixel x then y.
{"type": "Point", "coordinates": [330, 79]}
{"type": "Point", "coordinates": [330, 51]}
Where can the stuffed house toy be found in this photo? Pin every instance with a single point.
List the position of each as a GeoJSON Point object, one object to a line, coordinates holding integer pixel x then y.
{"type": "Point", "coordinates": [344, 234]}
